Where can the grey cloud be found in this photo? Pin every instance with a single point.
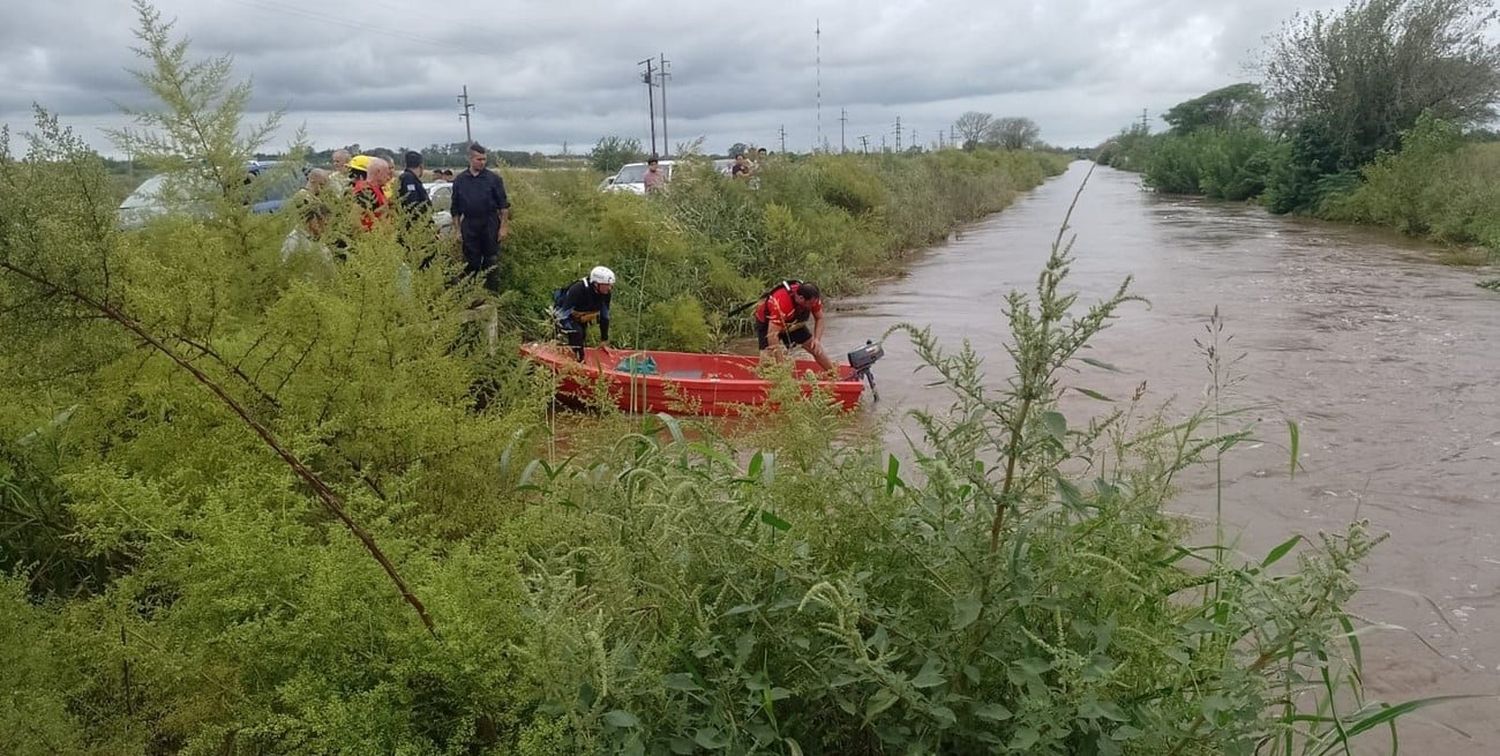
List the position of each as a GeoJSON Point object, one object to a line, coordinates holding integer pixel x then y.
{"type": "Point", "coordinates": [382, 71]}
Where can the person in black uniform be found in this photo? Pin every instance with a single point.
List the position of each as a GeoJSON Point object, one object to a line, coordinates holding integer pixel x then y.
{"type": "Point", "coordinates": [416, 206]}
{"type": "Point", "coordinates": [481, 212]}
{"type": "Point", "coordinates": [413, 193]}
{"type": "Point", "coordinates": [585, 301]}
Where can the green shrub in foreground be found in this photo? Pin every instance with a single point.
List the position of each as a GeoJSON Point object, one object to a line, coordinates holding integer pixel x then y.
{"type": "Point", "coordinates": [253, 510]}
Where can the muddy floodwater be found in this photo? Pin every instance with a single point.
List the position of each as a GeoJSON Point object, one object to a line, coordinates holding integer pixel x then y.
{"type": "Point", "coordinates": [1387, 359]}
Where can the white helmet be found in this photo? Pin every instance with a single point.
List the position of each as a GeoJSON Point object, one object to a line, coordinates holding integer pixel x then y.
{"type": "Point", "coordinates": [602, 275]}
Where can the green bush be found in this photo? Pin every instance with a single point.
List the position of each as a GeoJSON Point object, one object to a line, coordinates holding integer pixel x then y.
{"type": "Point", "coordinates": [296, 514]}
{"type": "Point", "coordinates": [834, 219]}
{"type": "Point", "coordinates": [1436, 185]}
{"type": "Point", "coordinates": [1229, 165]}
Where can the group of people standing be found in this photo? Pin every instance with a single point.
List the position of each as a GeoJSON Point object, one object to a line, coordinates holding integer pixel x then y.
{"type": "Point", "coordinates": [480, 207]}
{"type": "Point", "coordinates": [788, 315]}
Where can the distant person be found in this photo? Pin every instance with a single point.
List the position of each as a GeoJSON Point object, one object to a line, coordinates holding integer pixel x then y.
{"type": "Point", "coordinates": [481, 211]}
{"type": "Point", "coordinates": [741, 167]}
{"type": "Point", "coordinates": [655, 179]}
{"type": "Point", "coordinates": [781, 321]}
{"type": "Point", "coordinates": [339, 177]}
{"type": "Point", "coordinates": [311, 203]}
{"type": "Point", "coordinates": [412, 192]}
{"type": "Point", "coordinates": [358, 168]}
{"type": "Point", "coordinates": [415, 204]}
{"type": "Point", "coordinates": [582, 302]}
{"type": "Point", "coordinates": [367, 178]}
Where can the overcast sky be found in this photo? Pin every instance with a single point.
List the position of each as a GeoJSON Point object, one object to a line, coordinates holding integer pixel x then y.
{"type": "Point", "coordinates": [381, 72]}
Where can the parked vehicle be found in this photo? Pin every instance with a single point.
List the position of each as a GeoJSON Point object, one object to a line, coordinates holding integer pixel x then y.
{"type": "Point", "coordinates": [441, 194]}
{"type": "Point", "coordinates": [157, 196]}
{"type": "Point", "coordinates": [632, 177]}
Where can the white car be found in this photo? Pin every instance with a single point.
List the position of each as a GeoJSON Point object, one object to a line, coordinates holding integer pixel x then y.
{"type": "Point", "coordinates": [441, 195]}
{"type": "Point", "coordinates": [632, 177]}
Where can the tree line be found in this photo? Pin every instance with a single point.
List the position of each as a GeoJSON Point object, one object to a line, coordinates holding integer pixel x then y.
{"type": "Point", "coordinates": [1337, 91]}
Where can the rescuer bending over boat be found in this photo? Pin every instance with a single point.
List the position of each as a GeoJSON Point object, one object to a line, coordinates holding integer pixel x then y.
{"type": "Point", "coordinates": [781, 320]}
{"type": "Point", "coordinates": [582, 302]}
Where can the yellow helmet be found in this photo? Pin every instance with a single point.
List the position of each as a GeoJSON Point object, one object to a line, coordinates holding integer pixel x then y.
{"type": "Point", "coordinates": [360, 163]}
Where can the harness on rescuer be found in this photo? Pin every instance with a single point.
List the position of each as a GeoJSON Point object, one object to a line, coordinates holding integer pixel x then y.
{"type": "Point", "coordinates": [787, 284]}
{"type": "Point", "coordinates": [862, 359]}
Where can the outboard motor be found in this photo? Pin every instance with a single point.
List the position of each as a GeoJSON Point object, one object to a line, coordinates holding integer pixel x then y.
{"type": "Point", "coordinates": [862, 359]}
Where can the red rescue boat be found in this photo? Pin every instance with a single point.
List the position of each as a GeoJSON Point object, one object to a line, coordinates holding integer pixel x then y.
{"type": "Point", "coordinates": [686, 383]}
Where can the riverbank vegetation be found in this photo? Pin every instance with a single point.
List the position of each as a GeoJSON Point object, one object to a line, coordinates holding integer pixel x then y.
{"type": "Point", "coordinates": [250, 508]}
{"type": "Point", "coordinates": [1372, 114]}
{"type": "Point", "coordinates": [686, 258]}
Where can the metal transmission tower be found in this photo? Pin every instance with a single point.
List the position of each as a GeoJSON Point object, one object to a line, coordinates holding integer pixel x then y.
{"type": "Point", "coordinates": [783, 138]}
{"type": "Point", "coordinates": [463, 100]}
{"type": "Point", "coordinates": [898, 133]}
{"type": "Point", "coordinates": [843, 120]}
{"type": "Point", "coordinates": [818, 34]}
{"type": "Point", "coordinates": [648, 79]}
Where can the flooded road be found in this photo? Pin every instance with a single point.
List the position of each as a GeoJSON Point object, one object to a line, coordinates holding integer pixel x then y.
{"type": "Point", "coordinates": [1387, 359]}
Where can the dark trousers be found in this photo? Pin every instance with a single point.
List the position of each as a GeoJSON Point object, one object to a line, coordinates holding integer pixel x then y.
{"type": "Point", "coordinates": [482, 251]}
{"type": "Point", "coordinates": [573, 331]}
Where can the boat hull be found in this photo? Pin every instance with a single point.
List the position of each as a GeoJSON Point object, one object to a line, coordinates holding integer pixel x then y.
{"type": "Point", "coordinates": [679, 383]}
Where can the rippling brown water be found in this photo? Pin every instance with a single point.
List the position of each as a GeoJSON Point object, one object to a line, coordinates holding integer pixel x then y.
{"type": "Point", "coordinates": [1388, 360]}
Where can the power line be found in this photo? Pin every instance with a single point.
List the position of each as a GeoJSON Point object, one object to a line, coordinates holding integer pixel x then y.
{"type": "Point", "coordinates": [269, 5]}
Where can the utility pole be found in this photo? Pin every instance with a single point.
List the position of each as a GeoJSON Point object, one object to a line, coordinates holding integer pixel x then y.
{"type": "Point", "coordinates": [463, 100]}
{"type": "Point", "coordinates": [898, 133]}
{"type": "Point", "coordinates": [783, 138]}
{"type": "Point", "coordinates": [912, 135]}
{"type": "Point", "coordinates": [864, 143]}
{"type": "Point", "coordinates": [1145, 121]}
{"type": "Point", "coordinates": [883, 147]}
{"type": "Point", "coordinates": [952, 136]}
{"type": "Point", "coordinates": [666, 144]}
{"type": "Point", "coordinates": [843, 119]}
{"type": "Point", "coordinates": [650, 101]}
